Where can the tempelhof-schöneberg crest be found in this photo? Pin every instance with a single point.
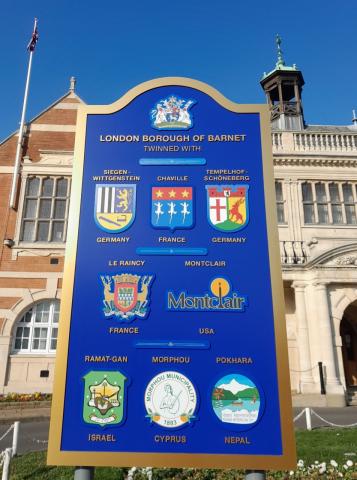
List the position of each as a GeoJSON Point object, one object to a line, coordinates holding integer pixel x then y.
{"type": "Point", "coordinates": [170, 400]}
{"type": "Point", "coordinates": [126, 295]}
{"type": "Point", "coordinates": [172, 113]}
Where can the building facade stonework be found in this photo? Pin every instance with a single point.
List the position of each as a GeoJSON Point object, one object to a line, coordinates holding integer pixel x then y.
{"type": "Point", "coordinates": [32, 245]}
{"type": "Point", "coordinates": [316, 192]}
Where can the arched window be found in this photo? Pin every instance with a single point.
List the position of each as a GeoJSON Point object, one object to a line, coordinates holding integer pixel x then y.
{"type": "Point", "coordinates": [36, 331]}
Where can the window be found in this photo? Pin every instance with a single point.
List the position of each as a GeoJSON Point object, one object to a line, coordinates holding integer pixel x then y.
{"type": "Point", "coordinates": [321, 199]}
{"type": "Point", "coordinates": [308, 203]}
{"type": "Point", "coordinates": [349, 203]}
{"type": "Point", "coordinates": [280, 201]}
{"type": "Point", "coordinates": [36, 331]}
{"type": "Point", "coordinates": [45, 210]}
{"type": "Point", "coordinates": [329, 203]}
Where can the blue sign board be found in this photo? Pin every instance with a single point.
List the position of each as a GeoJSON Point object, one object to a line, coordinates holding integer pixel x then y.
{"type": "Point", "coordinates": [172, 348]}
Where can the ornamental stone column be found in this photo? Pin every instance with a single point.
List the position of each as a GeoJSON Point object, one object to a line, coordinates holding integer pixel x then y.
{"type": "Point", "coordinates": [4, 358]}
{"type": "Point", "coordinates": [307, 384]}
{"type": "Point", "coordinates": [333, 385]}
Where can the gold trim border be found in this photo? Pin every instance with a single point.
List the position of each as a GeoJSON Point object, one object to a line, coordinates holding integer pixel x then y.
{"type": "Point", "coordinates": [195, 460]}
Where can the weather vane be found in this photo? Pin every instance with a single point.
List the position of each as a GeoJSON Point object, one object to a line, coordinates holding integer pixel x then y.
{"type": "Point", "coordinates": [280, 61]}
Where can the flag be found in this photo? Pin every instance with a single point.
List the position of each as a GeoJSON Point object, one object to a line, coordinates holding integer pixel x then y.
{"type": "Point", "coordinates": [34, 39]}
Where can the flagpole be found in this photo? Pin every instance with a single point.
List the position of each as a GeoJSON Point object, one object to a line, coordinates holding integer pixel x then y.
{"type": "Point", "coordinates": [21, 131]}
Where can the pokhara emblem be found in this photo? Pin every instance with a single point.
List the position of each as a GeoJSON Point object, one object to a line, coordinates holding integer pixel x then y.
{"type": "Point", "coordinates": [126, 296]}
{"type": "Point", "coordinates": [114, 209]}
{"type": "Point", "coordinates": [227, 207]}
{"type": "Point", "coordinates": [172, 113]}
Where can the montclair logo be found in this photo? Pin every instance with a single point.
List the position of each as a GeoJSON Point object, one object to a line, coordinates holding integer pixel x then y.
{"type": "Point", "coordinates": [221, 299]}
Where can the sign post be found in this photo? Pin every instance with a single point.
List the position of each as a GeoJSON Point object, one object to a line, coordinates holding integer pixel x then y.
{"type": "Point", "coordinates": [172, 346]}
{"type": "Point", "coordinates": [255, 476]}
{"type": "Point", "coordinates": [84, 473]}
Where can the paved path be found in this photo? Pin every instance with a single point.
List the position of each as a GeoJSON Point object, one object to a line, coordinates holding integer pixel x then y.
{"type": "Point", "coordinates": [34, 434]}
{"type": "Point", "coordinates": [340, 416]}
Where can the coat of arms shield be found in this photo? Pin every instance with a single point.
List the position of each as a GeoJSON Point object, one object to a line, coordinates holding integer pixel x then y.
{"type": "Point", "coordinates": [172, 207]}
{"type": "Point", "coordinates": [227, 207]}
{"type": "Point", "coordinates": [126, 295]}
{"type": "Point", "coordinates": [104, 398]}
{"type": "Point", "coordinates": [114, 209]}
{"type": "Point", "coordinates": [172, 113]}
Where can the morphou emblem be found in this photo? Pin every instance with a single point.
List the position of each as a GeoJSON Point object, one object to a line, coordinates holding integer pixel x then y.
{"type": "Point", "coordinates": [172, 207]}
{"type": "Point", "coordinates": [114, 206]}
{"type": "Point", "coordinates": [172, 113]}
{"type": "Point", "coordinates": [103, 402]}
{"type": "Point", "coordinates": [126, 296]}
{"type": "Point", "coordinates": [170, 400]}
{"type": "Point", "coordinates": [227, 207]}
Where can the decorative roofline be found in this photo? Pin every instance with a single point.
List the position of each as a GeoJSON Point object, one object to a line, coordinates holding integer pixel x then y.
{"type": "Point", "coordinates": [70, 92]}
{"type": "Point", "coordinates": [314, 162]}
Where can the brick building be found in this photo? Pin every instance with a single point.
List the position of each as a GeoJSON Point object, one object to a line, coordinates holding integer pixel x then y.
{"type": "Point", "coordinates": [32, 245]}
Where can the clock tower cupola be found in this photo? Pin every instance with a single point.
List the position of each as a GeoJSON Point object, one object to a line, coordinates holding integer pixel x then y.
{"type": "Point", "coordinates": [283, 88]}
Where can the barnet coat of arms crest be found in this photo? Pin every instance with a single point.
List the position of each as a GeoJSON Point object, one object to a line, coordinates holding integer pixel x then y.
{"type": "Point", "coordinates": [126, 296]}
{"type": "Point", "coordinates": [172, 113]}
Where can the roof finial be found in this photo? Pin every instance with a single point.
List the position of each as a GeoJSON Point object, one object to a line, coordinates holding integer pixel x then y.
{"type": "Point", "coordinates": [280, 61]}
{"type": "Point", "coordinates": [72, 84]}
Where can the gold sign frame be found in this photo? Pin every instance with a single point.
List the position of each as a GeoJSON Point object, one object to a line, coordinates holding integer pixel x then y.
{"type": "Point", "coordinates": [89, 458]}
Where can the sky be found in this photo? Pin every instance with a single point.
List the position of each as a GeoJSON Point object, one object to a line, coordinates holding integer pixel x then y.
{"type": "Point", "coordinates": [112, 45]}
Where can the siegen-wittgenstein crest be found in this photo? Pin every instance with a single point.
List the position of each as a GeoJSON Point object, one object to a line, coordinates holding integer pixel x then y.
{"type": "Point", "coordinates": [114, 209]}
{"type": "Point", "coordinates": [126, 296]}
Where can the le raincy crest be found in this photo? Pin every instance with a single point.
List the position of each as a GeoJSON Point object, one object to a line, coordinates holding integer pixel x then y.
{"type": "Point", "coordinates": [114, 209]}
{"type": "Point", "coordinates": [103, 402]}
{"type": "Point", "coordinates": [172, 207]}
{"type": "Point", "coordinates": [227, 207]}
{"type": "Point", "coordinates": [126, 296]}
{"type": "Point", "coordinates": [172, 113]}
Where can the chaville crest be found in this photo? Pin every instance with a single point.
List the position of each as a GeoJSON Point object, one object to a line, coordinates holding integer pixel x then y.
{"type": "Point", "coordinates": [227, 207]}
{"type": "Point", "coordinates": [126, 296]}
{"type": "Point", "coordinates": [172, 207]}
{"type": "Point", "coordinates": [114, 209]}
{"type": "Point", "coordinates": [172, 113]}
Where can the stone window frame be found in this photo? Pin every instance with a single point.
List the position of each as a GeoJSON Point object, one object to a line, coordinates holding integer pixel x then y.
{"type": "Point", "coordinates": [41, 197]}
{"type": "Point", "coordinates": [55, 163]}
{"type": "Point", "coordinates": [280, 202]}
{"type": "Point", "coordinates": [327, 210]}
{"type": "Point", "coordinates": [25, 329]}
